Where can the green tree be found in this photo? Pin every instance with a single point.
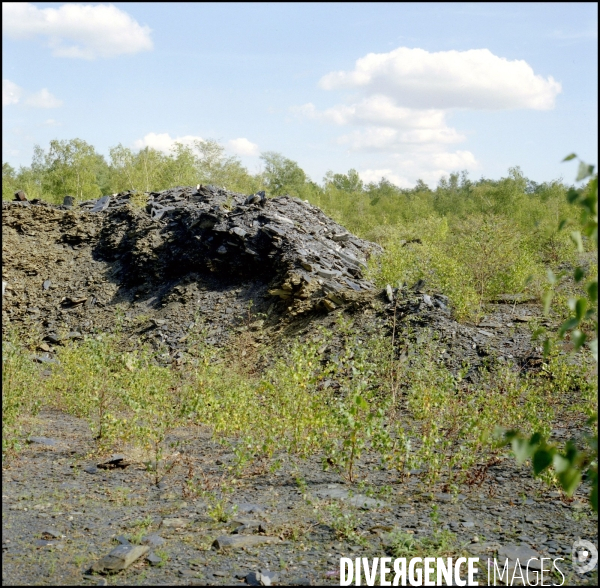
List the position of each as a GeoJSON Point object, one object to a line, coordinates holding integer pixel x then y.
{"type": "Point", "coordinates": [181, 167]}
{"type": "Point", "coordinates": [282, 175]}
{"type": "Point", "coordinates": [122, 169]}
{"type": "Point", "coordinates": [72, 167]}
{"type": "Point", "coordinates": [571, 463]}
{"type": "Point", "coordinates": [9, 181]}
{"type": "Point", "coordinates": [349, 182]}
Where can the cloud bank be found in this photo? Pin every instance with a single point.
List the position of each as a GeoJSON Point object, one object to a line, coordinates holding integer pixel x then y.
{"type": "Point", "coordinates": [474, 79]}
{"type": "Point", "coordinates": [80, 31]}
{"type": "Point", "coordinates": [401, 101]}
{"type": "Point", "coordinates": [14, 94]}
{"type": "Point", "coordinates": [164, 142]}
{"type": "Point", "coordinates": [243, 146]}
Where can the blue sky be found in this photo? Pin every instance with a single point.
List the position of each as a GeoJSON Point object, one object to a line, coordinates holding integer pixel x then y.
{"type": "Point", "coordinates": [404, 91]}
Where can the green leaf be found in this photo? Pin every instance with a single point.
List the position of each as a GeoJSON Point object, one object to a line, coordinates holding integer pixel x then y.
{"type": "Point", "coordinates": [569, 480]}
{"type": "Point", "coordinates": [576, 236]}
{"type": "Point", "coordinates": [594, 497]}
{"type": "Point", "coordinates": [542, 458]}
{"type": "Point", "coordinates": [584, 171]}
{"type": "Point", "coordinates": [571, 452]}
{"type": "Point", "coordinates": [569, 157]}
{"type": "Point", "coordinates": [592, 291]}
{"type": "Point", "coordinates": [536, 439]}
{"type": "Point", "coordinates": [567, 326]}
{"type": "Point", "coordinates": [578, 339]}
{"type": "Point", "coordinates": [562, 224]}
{"type": "Point", "coordinates": [572, 196]}
{"type": "Point", "coordinates": [579, 274]}
{"type": "Point", "coordinates": [551, 276]}
{"type": "Point", "coordinates": [547, 300]}
{"type": "Point", "coordinates": [522, 449]}
{"type": "Point", "coordinates": [560, 463]}
{"type": "Point", "coordinates": [580, 308]}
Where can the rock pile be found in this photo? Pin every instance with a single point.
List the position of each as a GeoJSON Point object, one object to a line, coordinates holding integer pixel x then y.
{"type": "Point", "coordinates": [174, 257]}
{"type": "Point", "coordinates": [308, 260]}
{"type": "Point", "coordinates": [164, 265]}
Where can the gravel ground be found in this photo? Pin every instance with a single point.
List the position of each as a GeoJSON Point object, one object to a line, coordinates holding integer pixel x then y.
{"type": "Point", "coordinates": [61, 514]}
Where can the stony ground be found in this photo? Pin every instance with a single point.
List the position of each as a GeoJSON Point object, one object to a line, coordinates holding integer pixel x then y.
{"type": "Point", "coordinates": [69, 273]}
{"type": "Point", "coordinates": [62, 513]}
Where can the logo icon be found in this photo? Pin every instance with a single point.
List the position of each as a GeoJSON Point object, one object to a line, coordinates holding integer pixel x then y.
{"type": "Point", "coordinates": [585, 556]}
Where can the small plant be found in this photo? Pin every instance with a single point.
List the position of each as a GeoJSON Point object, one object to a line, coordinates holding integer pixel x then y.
{"type": "Point", "coordinates": [164, 557]}
{"type": "Point", "coordinates": [219, 509]}
{"type": "Point", "coordinates": [443, 543]}
{"type": "Point", "coordinates": [344, 522]}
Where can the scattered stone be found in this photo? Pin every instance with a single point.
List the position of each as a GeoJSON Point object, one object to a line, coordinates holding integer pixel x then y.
{"type": "Point", "coordinates": [43, 441]}
{"type": "Point", "coordinates": [523, 318]}
{"type": "Point", "coordinates": [358, 500]}
{"type": "Point", "coordinates": [237, 541]}
{"type": "Point", "coordinates": [120, 558]}
{"type": "Point", "coordinates": [153, 541]}
{"type": "Point", "coordinates": [301, 581]}
{"type": "Point", "coordinates": [101, 204]}
{"type": "Point", "coordinates": [249, 508]}
{"type": "Point", "coordinates": [20, 196]}
{"type": "Point", "coordinates": [114, 461]}
{"type": "Point", "coordinates": [260, 579]}
{"type": "Point", "coordinates": [46, 285]}
{"type": "Point", "coordinates": [54, 338]}
{"type": "Point", "coordinates": [523, 553]}
{"type": "Point", "coordinates": [153, 559]}
{"type": "Point", "coordinates": [175, 523]}
{"type": "Point", "coordinates": [51, 533]}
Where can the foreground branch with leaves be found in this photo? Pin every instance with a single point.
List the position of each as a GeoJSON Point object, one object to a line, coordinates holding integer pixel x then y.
{"type": "Point", "coordinates": [572, 464]}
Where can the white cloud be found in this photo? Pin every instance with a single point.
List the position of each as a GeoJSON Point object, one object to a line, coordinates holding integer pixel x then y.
{"type": "Point", "coordinates": [43, 99]}
{"type": "Point", "coordinates": [51, 123]}
{"type": "Point", "coordinates": [384, 126]}
{"type": "Point", "coordinates": [369, 176]}
{"type": "Point", "coordinates": [377, 110]}
{"type": "Point", "coordinates": [401, 101]}
{"type": "Point", "coordinates": [391, 140]}
{"type": "Point", "coordinates": [164, 142]}
{"type": "Point", "coordinates": [80, 31]}
{"type": "Point", "coordinates": [474, 79]}
{"type": "Point", "coordinates": [11, 93]}
{"type": "Point", "coordinates": [404, 170]}
{"type": "Point", "coordinates": [431, 165]}
{"type": "Point", "coordinates": [242, 146]}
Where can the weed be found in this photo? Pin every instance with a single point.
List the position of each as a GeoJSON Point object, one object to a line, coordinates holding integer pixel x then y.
{"type": "Point", "coordinates": [442, 544]}
{"type": "Point", "coordinates": [164, 557]}
{"type": "Point", "coordinates": [344, 522]}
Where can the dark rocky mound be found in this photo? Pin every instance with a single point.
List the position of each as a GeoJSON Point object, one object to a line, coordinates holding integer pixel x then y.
{"type": "Point", "coordinates": [158, 265]}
